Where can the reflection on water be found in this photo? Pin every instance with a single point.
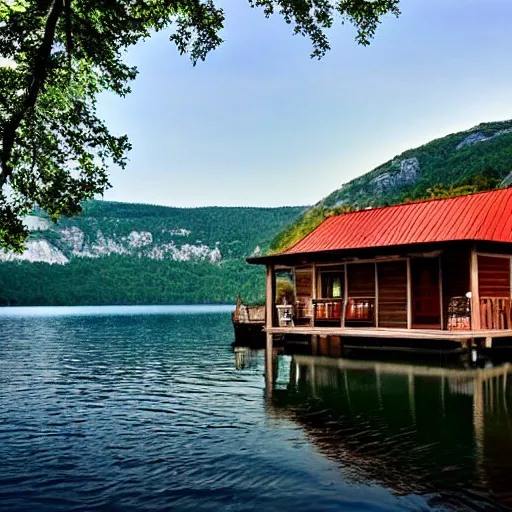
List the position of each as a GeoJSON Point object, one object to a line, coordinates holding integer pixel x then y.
{"type": "Point", "coordinates": [415, 429]}
{"type": "Point", "coordinates": [141, 411]}
{"type": "Point", "coordinates": [147, 412]}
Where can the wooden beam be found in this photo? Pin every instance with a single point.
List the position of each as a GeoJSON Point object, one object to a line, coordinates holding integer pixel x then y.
{"type": "Point", "coordinates": [313, 291]}
{"type": "Point", "coordinates": [389, 332]}
{"type": "Point", "coordinates": [269, 323]}
{"type": "Point", "coordinates": [441, 292]}
{"type": "Point", "coordinates": [294, 277]}
{"type": "Point", "coordinates": [345, 294]}
{"type": "Point", "coordinates": [376, 297]}
{"type": "Point", "coordinates": [475, 292]}
{"type": "Point", "coordinates": [355, 261]}
{"type": "Point", "coordinates": [409, 295]}
{"type": "Point", "coordinates": [269, 297]}
{"type": "Point", "coordinates": [269, 366]}
{"type": "Point", "coordinates": [493, 255]}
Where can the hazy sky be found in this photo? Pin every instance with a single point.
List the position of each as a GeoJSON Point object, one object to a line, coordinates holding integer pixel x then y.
{"type": "Point", "coordinates": [260, 123]}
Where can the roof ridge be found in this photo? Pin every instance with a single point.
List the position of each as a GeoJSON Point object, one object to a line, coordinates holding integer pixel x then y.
{"type": "Point", "coordinates": [429, 200]}
{"type": "Point", "coordinates": [485, 200]}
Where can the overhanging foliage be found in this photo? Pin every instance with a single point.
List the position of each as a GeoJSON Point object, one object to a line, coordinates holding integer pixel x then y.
{"type": "Point", "coordinates": [59, 54]}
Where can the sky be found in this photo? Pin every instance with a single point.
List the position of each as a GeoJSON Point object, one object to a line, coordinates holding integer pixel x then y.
{"type": "Point", "coordinates": [260, 123]}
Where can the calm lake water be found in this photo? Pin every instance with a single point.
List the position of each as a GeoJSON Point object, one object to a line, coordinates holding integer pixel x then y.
{"type": "Point", "coordinates": [132, 409]}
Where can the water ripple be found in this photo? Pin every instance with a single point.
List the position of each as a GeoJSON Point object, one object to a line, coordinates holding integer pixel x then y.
{"type": "Point", "coordinates": [147, 412]}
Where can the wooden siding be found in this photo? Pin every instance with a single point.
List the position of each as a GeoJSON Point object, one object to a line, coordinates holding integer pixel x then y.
{"type": "Point", "coordinates": [303, 282]}
{"type": "Point", "coordinates": [495, 313]}
{"type": "Point", "coordinates": [361, 280]}
{"type": "Point", "coordinates": [392, 307]}
{"type": "Point", "coordinates": [304, 293]}
{"type": "Point", "coordinates": [494, 277]}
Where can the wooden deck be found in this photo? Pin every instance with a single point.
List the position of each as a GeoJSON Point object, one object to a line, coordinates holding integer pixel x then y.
{"type": "Point", "coordinates": [376, 332]}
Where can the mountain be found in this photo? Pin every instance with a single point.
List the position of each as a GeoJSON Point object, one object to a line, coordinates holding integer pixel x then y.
{"type": "Point", "coordinates": [461, 163]}
{"type": "Point", "coordinates": [121, 253]}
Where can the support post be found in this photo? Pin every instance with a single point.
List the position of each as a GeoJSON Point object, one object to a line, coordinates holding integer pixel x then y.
{"type": "Point", "coordinates": [269, 368]}
{"type": "Point", "coordinates": [441, 301]}
{"type": "Point", "coordinates": [345, 294]}
{"type": "Point", "coordinates": [313, 291]}
{"type": "Point", "coordinates": [510, 282]}
{"type": "Point", "coordinates": [269, 322]}
{"type": "Point", "coordinates": [475, 293]}
{"type": "Point", "coordinates": [269, 297]}
{"type": "Point", "coordinates": [376, 296]}
{"type": "Point", "coordinates": [409, 295]}
{"type": "Point", "coordinates": [313, 294]}
{"type": "Point", "coordinates": [314, 345]}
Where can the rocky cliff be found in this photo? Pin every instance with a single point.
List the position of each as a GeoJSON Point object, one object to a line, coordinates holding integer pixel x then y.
{"type": "Point", "coordinates": [119, 253]}
{"type": "Point", "coordinates": [476, 159]}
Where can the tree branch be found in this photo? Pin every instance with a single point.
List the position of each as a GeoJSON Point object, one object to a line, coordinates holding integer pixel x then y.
{"type": "Point", "coordinates": [69, 37]}
{"type": "Point", "coordinates": [40, 72]}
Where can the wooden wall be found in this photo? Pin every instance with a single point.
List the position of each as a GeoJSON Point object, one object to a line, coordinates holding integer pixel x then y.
{"type": "Point", "coordinates": [392, 283]}
{"type": "Point", "coordinates": [361, 280]}
{"type": "Point", "coordinates": [493, 277]}
{"type": "Point", "coordinates": [304, 292]}
{"type": "Point", "coordinates": [303, 282]}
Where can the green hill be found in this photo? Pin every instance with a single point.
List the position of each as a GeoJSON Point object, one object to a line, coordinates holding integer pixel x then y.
{"type": "Point", "coordinates": [465, 162]}
{"type": "Point", "coordinates": [120, 253]}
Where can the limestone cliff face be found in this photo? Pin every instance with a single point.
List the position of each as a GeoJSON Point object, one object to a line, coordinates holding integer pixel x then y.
{"type": "Point", "coordinates": [405, 173]}
{"type": "Point", "coordinates": [37, 251]}
{"type": "Point", "coordinates": [449, 161]}
{"type": "Point", "coordinates": [473, 160]}
{"type": "Point", "coordinates": [67, 243]}
{"type": "Point", "coordinates": [478, 136]}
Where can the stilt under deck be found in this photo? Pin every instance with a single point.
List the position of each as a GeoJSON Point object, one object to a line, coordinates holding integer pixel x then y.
{"type": "Point", "coordinates": [389, 333]}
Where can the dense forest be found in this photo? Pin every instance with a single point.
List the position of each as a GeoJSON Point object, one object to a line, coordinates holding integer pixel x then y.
{"type": "Point", "coordinates": [462, 163]}
{"type": "Point", "coordinates": [119, 253]}
{"type": "Point", "coordinates": [127, 280]}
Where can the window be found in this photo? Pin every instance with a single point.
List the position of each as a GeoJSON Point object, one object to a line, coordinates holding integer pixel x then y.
{"type": "Point", "coordinates": [332, 284]}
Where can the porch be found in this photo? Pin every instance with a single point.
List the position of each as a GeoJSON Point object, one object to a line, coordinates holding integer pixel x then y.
{"type": "Point", "coordinates": [456, 292]}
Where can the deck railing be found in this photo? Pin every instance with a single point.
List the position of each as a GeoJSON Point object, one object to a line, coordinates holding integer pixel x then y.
{"type": "Point", "coordinates": [328, 309]}
{"type": "Point", "coordinates": [495, 313]}
{"type": "Point", "coordinates": [360, 309]}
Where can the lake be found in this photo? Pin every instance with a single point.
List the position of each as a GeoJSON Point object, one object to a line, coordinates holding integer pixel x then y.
{"type": "Point", "coordinates": [132, 409]}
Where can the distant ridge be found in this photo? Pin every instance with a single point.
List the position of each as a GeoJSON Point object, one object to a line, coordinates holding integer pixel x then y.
{"type": "Point", "coordinates": [125, 253]}
{"type": "Point", "coordinates": [470, 161]}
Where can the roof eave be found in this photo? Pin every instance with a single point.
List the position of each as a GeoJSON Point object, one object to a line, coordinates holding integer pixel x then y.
{"type": "Point", "coordinates": [298, 256]}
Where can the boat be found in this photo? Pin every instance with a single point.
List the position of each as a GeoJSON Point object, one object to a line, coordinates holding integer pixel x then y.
{"type": "Point", "coordinates": [249, 323]}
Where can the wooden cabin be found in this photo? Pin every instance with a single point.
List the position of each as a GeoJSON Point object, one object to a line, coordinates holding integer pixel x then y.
{"type": "Point", "coordinates": [436, 269]}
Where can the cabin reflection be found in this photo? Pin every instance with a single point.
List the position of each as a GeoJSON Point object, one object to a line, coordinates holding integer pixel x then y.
{"type": "Point", "coordinates": [413, 428]}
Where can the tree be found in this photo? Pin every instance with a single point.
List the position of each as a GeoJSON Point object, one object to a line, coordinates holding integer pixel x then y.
{"type": "Point", "coordinates": [59, 54]}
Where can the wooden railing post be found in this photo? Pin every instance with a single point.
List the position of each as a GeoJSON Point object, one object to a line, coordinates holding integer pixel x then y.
{"type": "Point", "coordinates": [475, 293]}
{"type": "Point", "coordinates": [409, 295]}
{"type": "Point", "coordinates": [376, 307]}
{"type": "Point", "coordinates": [441, 300]}
{"type": "Point", "coordinates": [345, 295]}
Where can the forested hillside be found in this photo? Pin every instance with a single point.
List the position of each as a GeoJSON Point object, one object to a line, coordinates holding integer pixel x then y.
{"type": "Point", "coordinates": [120, 253]}
{"type": "Point", "coordinates": [461, 163]}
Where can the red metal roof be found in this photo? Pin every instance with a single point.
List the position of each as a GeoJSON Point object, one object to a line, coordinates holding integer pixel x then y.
{"type": "Point", "coordinates": [484, 216]}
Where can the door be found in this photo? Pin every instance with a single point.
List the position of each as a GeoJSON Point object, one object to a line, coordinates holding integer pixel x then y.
{"type": "Point", "coordinates": [426, 306]}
